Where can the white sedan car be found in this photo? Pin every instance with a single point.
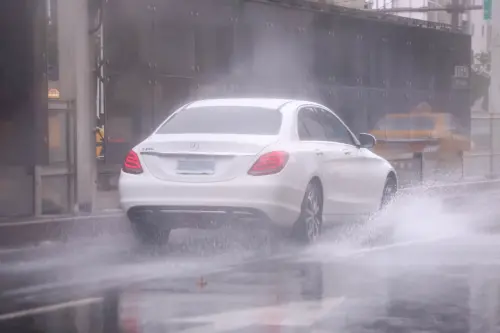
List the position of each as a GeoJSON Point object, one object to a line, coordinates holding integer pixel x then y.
{"type": "Point", "coordinates": [282, 162]}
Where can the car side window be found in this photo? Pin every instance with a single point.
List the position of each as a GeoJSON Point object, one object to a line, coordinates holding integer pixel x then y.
{"type": "Point", "coordinates": [334, 129]}
{"type": "Point", "coordinates": [309, 125]}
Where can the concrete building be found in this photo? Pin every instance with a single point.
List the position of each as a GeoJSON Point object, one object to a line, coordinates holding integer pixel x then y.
{"type": "Point", "coordinates": [480, 29]}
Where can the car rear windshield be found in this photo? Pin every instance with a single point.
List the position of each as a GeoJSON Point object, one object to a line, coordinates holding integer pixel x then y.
{"type": "Point", "coordinates": [412, 123]}
{"type": "Point", "coordinates": [224, 120]}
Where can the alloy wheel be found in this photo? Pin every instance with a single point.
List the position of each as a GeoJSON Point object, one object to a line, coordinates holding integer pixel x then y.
{"type": "Point", "coordinates": [388, 194]}
{"type": "Point", "coordinates": [312, 215]}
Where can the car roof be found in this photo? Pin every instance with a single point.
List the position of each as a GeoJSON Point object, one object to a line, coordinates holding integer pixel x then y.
{"type": "Point", "coordinates": [268, 103]}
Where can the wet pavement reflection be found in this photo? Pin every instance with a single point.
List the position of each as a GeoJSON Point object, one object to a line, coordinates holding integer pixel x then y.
{"type": "Point", "coordinates": [438, 273]}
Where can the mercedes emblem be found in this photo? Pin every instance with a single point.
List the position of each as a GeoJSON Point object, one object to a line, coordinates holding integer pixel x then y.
{"type": "Point", "coordinates": [194, 146]}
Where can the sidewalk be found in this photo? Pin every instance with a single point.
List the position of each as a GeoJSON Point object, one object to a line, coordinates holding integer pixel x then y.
{"type": "Point", "coordinates": [31, 231]}
{"type": "Point", "coordinates": [107, 218]}
{"type": "Point", "coordinates": [107, 201]}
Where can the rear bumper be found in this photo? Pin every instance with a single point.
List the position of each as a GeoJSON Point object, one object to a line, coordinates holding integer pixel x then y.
{"type": "Point", "coordinates": [266, 198]}
{"type": "Point", "coordinates": [195, 216]}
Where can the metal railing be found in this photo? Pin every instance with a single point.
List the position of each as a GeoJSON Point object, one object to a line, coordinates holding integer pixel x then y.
{"type": "Point", "coordinates": [482, 162]}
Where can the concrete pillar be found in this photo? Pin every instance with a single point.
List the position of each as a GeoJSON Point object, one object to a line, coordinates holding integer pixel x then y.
{"type": "Point", "coordinates": [85, 146]}
{"type": "Point", "coordinates": [75, 75]}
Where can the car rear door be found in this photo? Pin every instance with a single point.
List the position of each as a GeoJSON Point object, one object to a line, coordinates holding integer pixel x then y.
{"type": "Point", "coordinates": [351, 181]}
{"type": "Point", "coordinates": [328, 156]}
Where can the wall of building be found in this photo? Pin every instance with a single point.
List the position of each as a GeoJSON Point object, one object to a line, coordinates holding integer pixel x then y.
{"type": "Point", "coordinates": [23, 103]}
{"type": "Point", "coordinates": [479, 29]}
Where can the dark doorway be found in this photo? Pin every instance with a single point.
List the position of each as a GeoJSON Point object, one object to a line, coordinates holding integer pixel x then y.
{"type": "Point", "coordinates": [23, 102]}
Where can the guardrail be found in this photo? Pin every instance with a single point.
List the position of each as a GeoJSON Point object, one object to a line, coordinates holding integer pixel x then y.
{"type": "Point", "coordinates": [415, 176]}
{"type": "Point", "coordinates": [422, 168]}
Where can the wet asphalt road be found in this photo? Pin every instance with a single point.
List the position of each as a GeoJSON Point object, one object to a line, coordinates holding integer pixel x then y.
{"type": "Point", "coordinates": [377, 291]}
{"type": "Point", "coordinates": [420, 267]}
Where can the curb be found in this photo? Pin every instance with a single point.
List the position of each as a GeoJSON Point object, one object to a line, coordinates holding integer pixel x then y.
{"type": "Point", "coordinates": [56, 219]}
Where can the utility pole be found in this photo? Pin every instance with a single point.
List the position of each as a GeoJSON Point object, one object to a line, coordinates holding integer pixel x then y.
{"type": "Point", "coordinates": [494, 93]}
{"type": "Point", "coordinates": [492, 13]}
{"type": "Point", "coordinates": [455, 12]}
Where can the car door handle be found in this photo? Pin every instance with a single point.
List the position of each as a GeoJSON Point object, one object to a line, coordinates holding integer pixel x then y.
{"type": "Point", "coordinates": [347, 152]}
{"type": "Point", "coordinates": [319, 152]}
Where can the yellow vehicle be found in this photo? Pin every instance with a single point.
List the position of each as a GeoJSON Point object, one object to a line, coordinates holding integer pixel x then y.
{"type": "Point", "coordinates": [420, 131]}
{"type": "Point", "coordinates": [99, 140]}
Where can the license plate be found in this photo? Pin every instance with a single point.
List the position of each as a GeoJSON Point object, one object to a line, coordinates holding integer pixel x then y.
{"type": "Point", "coordinates": [196, 167]}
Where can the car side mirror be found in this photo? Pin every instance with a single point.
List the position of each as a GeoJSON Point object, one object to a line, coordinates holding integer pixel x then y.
{"type": "Point", "coordinates": [366, 140]}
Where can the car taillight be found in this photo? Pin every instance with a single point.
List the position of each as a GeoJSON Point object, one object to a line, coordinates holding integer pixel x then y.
{"type": "Point", "coordinates": [132, 164]}
{"type": "Point", "coordinates": [269, 163]}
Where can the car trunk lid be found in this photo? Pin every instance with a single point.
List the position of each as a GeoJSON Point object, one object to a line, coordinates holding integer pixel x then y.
{"type": "Point", "coordinates": [202, 158]}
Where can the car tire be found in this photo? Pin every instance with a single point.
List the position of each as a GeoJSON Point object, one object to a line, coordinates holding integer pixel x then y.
{"type": "Point", "coordinates": [307, 228]}
{"type": "Point", "coordinates": [389, 192]}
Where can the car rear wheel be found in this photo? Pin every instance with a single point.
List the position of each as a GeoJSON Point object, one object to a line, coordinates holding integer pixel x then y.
{"type": "Point", "coordinates": [389, 192]}
{"type": "Point", "coordinates": [307, 228]}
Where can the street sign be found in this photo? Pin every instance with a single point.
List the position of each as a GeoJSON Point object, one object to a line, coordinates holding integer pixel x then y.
{"type": "Point", "coordinates": [487, 9]}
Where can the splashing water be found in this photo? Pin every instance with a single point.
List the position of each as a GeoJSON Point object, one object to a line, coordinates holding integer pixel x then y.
{"type": "Point", "coordinates": [416, 217]}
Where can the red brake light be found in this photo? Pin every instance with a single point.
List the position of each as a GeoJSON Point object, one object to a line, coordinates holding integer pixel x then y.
{"type": "Point", "coordinates": [269, 163]}
{"type": "Point", "coordinates": [132, 164]}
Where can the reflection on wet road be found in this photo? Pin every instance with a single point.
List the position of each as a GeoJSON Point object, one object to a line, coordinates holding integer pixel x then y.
{"type": "Point", "coordinates": [419, 267]}
{"type": "Point", "coordinates": [439, 290]}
